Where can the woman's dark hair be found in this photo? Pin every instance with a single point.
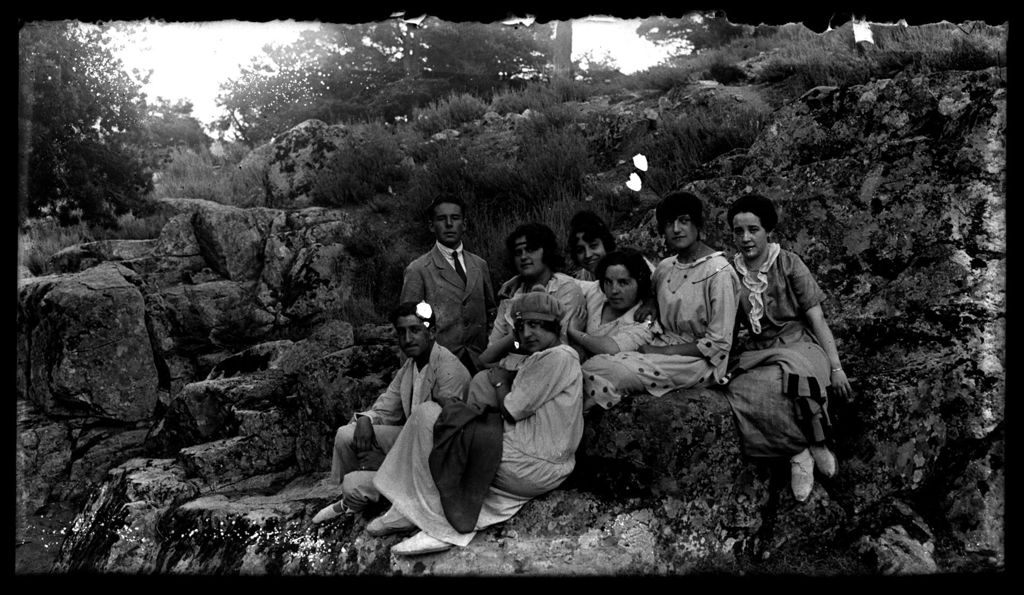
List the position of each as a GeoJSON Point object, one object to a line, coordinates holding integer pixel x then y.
{"type": "Point", "coordinates": [634, 263]}
{"type": "Point", "coordinates": [409, 309]}
{"type": "Point", "coordinates": [592, 227]}
{"type": "Point", "coordinates": [757, 204]}
{"type": "Point", "coordinates": [679, 203]}
{"type": "Point", "coordinates": [445, 198]}
{"type": "Point", "coordinates": [537, 235]}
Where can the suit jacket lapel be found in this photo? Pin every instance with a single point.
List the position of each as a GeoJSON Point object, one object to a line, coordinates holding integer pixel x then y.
{"type": "Point", "coordinates": [447, 272]}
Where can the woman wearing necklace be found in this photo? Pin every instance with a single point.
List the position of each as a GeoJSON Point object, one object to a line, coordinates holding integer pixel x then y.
{"type": "Point", "coordinates": [778, 381]}
{"type": "Point", "coordinates": [696, 292]}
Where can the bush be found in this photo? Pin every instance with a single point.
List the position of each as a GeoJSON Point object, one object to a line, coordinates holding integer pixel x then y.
{"type": "Point", "coordinates": [661, 77]}
{"type": "Point", "coordinates": [686, 140]}
{"type": "Point", "coordinates": [535, 96]}
{"type": "Point", "coordinates": [39, 239]}
{"type": "Point", "coordinates": [447, 113]}
{"type": "Point", "coordinates": [368, 163]}
{"type": "Point", "coordinates": [188, 174]}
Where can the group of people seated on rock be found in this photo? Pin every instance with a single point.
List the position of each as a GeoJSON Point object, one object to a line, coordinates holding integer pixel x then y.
{"type": "Point", "coordinates": [487, 410]}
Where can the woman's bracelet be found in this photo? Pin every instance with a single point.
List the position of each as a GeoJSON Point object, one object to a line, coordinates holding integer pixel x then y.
{"type": "Point", "coordinates": [839, 369]}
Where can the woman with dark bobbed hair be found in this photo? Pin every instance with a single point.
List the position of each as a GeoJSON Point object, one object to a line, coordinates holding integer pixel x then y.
{"type": "Point", "coordinates": [779, 379]}
{"type": "Point", "coordinates": [533, 252]}
{"type": "Point", "coordinates": [589, 240]}
{"type": "Point", "coordinates": [695, 291]}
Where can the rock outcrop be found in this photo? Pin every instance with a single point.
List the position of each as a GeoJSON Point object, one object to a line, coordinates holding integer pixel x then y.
{"type": "Point", "coordinates": [894, 194]}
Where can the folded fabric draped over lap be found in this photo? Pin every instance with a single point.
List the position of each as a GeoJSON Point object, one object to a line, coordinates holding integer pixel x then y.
{"type": "Point", "coordinates": [464, 459]}
{"type": "Point", "coordinates": [799, 383]}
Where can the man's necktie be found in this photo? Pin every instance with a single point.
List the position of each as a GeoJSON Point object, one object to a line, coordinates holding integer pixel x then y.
{"type": "Point", "coordinates": [458, 265]}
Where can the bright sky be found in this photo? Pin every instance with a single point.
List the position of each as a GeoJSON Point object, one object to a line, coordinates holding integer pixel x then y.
{"type": "Point", "coordinates": [190, 60]}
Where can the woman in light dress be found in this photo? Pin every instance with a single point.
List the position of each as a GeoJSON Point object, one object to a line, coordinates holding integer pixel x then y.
{"type": "Point", "coordinates": [542, 411]}
{"type": "Point", "coordinates": [624, 282]}
{"type": "Point", "coordinates": [695, 292]}
{"type": "Point", "coordinates": [782, 375]}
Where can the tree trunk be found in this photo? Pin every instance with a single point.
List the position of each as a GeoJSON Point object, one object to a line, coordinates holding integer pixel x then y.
{"type": "Point", "coordinates": [562, 55]}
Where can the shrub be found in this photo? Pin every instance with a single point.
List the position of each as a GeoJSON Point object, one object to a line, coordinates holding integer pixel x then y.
{"type": "Point", "coordinates": [451, 112]}
{"type": "Point", "coordinates": [685, 141]}
{"type": "Point", "coordinates": [662, 77]}
{"type": "Point", "coordinates": [535, 96]}
{"type": "Point", "coordinates": [200, 175]}
{"type": "Point", "coordinates": [39, 239]}
{"type": "Point", "coordinates": [368, 163]}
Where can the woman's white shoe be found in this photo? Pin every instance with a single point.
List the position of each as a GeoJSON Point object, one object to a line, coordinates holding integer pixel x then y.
{"type": "Point", "coordinates": [421, 543]}
{"type": "Point", "coordinates": [824, 460]}
{"type": "Point", "coordinates": [801, 474]}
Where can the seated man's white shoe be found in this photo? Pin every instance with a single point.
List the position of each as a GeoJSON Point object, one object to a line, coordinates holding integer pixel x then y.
{"type": "Point", "coordinates": [802, 474]}
{"type": "Point", "coordinates": [421, 543]}
{"type": "Point", "coordinates": [390, 522]}
{"type": "Point", "coordinates": [329, 512]}
{"type": "Point", "coordinates": [824, 460]}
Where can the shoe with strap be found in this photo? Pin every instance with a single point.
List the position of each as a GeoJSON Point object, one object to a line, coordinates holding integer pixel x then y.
{"type": "Point", "coordinates": [421, 543]}
{"type": "Point", "coordinates": [824, 460]}
{"type": "Point", "coordinates": [390, 522]}
{"type": "Point", "coordinates": [801, 471]}
{"type": "Point", "coordinates": [331, 511]}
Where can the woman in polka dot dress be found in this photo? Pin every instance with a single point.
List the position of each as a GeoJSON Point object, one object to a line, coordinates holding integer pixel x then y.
{"type": "Point", "coordinates": [696, 292]}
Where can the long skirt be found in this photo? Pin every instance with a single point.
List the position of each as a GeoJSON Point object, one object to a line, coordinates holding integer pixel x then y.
{"type": "Point", "coordinates": [768, 419]}
{"type": "Point", "coordinates": [406, 481]}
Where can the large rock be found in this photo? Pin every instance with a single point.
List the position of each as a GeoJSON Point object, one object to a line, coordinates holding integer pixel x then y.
{"type": "Point", "coordinates": [292, 160]}
{"type": "Point", "coordinates": [83, 347]}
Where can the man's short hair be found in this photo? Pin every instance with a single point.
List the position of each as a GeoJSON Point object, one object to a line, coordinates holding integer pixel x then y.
{"type": "Point", "coordinates": [411, 308]}
{"type": "Point", "coordinates": [445, 198]}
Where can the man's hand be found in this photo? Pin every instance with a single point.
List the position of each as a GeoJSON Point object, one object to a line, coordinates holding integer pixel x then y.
{"type": "Point", "coordinates": [363, 438]}
{"type": "Point", "coordinates": [370, 460]}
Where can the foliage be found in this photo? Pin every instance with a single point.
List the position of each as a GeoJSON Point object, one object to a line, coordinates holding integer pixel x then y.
{"type": "Point", "coordinates": [39, 239]}
{"type": "Point", "coordinates": [685, 140]}
{"type": "Point", "coordinates": [833, 59]}
{"type": "Point", "coordinates": [660, 77]}
{"type": "Point", "coordinates": [515, 101]}
{"type": "Point", "coordinates": [170, 125]}
{"type": "Point", "coordinates": [450, 112]}
{"type": "Point", "coordinates": [85, 140]}
{"type": "Point", "coordinates": [192, 174]}
{"type": "Point", "coordinates": [699, 30]}
{"type": "Point", "coordinates": [348, 72]}
{"type": "Point", "coordinates": [368, 163]}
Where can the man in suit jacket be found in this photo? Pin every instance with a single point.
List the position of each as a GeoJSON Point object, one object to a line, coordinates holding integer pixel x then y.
{"type": "Point", "coordinates": [456, 282]}
{"type": "Point", "coordinates": [430, 372]}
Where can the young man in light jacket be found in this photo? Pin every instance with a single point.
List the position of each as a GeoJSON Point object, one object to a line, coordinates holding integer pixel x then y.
{"type": "Point", "coordinates": [456, 282]}
{"type": "Point", "coordinates": [430, 373]}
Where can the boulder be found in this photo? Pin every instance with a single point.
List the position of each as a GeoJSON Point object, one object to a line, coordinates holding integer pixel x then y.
{"type": "Point", "coordinates": [83, 347]}
{"type": "Point", "coordinates": [292, 160]}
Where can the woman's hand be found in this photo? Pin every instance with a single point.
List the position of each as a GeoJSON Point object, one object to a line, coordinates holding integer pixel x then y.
{"type": "Point", "coordinates": [647, 312]}
{"type": "Point", "coordinates": [841, 384]}
{"type": "Point", "coordinates": [498, 375]}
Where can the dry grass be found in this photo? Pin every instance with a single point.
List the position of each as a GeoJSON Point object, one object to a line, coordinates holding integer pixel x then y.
{"type": "Point", "coordinates": [39, 239]}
